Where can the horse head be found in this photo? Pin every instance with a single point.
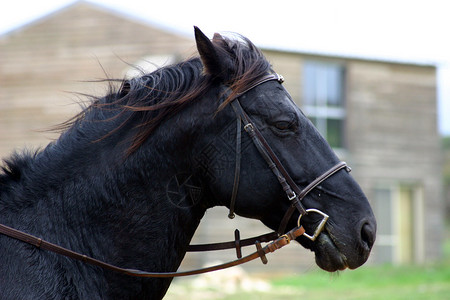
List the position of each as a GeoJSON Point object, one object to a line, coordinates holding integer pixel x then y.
{"type": "Point", "coordinates": [349, 233]}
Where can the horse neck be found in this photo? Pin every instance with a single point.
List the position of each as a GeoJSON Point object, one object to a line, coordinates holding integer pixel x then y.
{"type": "Point", "coordinates": [114, 210]}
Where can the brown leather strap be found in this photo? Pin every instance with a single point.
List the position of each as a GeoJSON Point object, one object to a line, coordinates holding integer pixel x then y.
{"type": "Point", "coordinates": [42, 244]}
{"type": "Point", "coordinates": [237, 169]}
{"type": "Point", "coordinates": [291, 189]}
{"type": "Point", "coordinates": [333, 170]}
{"type": "Point", "coordinates": [289, 186]}
{"type": "Point", "coordinates": [286, 218]}
{"type": "Point", "coordinates": [265, 238]}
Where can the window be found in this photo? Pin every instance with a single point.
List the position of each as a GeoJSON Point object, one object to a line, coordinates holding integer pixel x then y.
{"type": "Point", "coordinates": [384, 208]}
{"type": "Point", "coordinates": [398, 209]}
{"type": "Point", "coordinates": [323, 99]}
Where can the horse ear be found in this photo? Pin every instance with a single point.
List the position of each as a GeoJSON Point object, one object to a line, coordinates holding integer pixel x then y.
{"type": "Point", "coordinates": [208, 54]}
{"type": "Point", "coordinates": [217, 38]}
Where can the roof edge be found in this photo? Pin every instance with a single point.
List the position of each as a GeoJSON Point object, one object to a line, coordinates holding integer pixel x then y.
{"type": "Point", "coordinates": [98, 6]}
{"type": "Point", "coordinates": [350, 56]}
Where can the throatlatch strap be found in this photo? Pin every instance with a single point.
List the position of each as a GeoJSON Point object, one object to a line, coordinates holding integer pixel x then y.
{"type": "Point", "coordinates": [237, 170]}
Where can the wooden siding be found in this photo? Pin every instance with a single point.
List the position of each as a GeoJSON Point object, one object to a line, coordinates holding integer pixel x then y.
{"type": "Point", "coordinates": [42, 65]}
{"type": "Point", "coordinates": [394, 137]}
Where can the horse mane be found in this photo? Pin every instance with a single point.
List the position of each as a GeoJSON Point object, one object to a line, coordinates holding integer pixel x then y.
{"type": "Point", "coordinates": [154, 97]}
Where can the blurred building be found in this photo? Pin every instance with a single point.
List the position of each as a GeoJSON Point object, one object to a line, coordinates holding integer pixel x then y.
{"type": "Point", "coordinates": [379, 116]}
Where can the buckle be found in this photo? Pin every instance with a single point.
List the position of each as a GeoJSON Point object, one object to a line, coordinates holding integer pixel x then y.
{"type": "Point", "coordinates": [292, 196]}
{"type": "Point", "coordinates": [249, 127]}
{"type": "Point", "coordinates": [280, 78]}
{"type": "Point", "coordinates": [319, 227]}
{"type": "Point", "coordinates": [288, 239]}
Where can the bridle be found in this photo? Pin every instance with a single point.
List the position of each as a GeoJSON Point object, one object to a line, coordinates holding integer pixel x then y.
{"type": "Point", "coordinates": [275, 240]}
{"type": "Point", "coordinates": [293, 193]}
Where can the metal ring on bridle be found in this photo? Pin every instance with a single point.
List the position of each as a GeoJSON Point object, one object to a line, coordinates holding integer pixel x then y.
{"type": "Point", "coordinates": [319, 228]}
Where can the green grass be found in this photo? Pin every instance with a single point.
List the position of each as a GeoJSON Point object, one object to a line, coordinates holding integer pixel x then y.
{"type": "Point", "coordinates": [430, 282]}
{"type": "Point", "coordinates": [368, 283]}
{"type": "Point", "coordinates": [381, 282]}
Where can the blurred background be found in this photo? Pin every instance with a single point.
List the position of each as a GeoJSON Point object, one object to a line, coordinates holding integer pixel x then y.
{"type": "Point", "coordinates": [373, 76]}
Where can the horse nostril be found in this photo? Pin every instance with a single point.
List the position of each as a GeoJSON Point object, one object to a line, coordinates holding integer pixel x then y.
{"type": "Point", "coordinates": [367, 235]}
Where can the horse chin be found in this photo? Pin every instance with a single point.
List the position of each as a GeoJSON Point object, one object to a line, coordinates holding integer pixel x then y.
{"type": "Point", "coordinates": [328, 256]}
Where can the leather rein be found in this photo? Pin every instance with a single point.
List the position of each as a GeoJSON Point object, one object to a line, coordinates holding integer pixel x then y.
{"type": "Point", "coordinates": [275, 240]}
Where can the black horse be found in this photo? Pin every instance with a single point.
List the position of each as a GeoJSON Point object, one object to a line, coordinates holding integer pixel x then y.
{"type": "Point", "coordinates": [131, 176]}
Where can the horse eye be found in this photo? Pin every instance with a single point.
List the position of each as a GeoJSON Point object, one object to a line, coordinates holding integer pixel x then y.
{"type": "Point", "coordinates": [282, 125]}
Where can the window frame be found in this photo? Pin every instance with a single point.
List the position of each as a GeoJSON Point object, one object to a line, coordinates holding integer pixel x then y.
{"type": "Point", "coordinates": [319, 110]}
